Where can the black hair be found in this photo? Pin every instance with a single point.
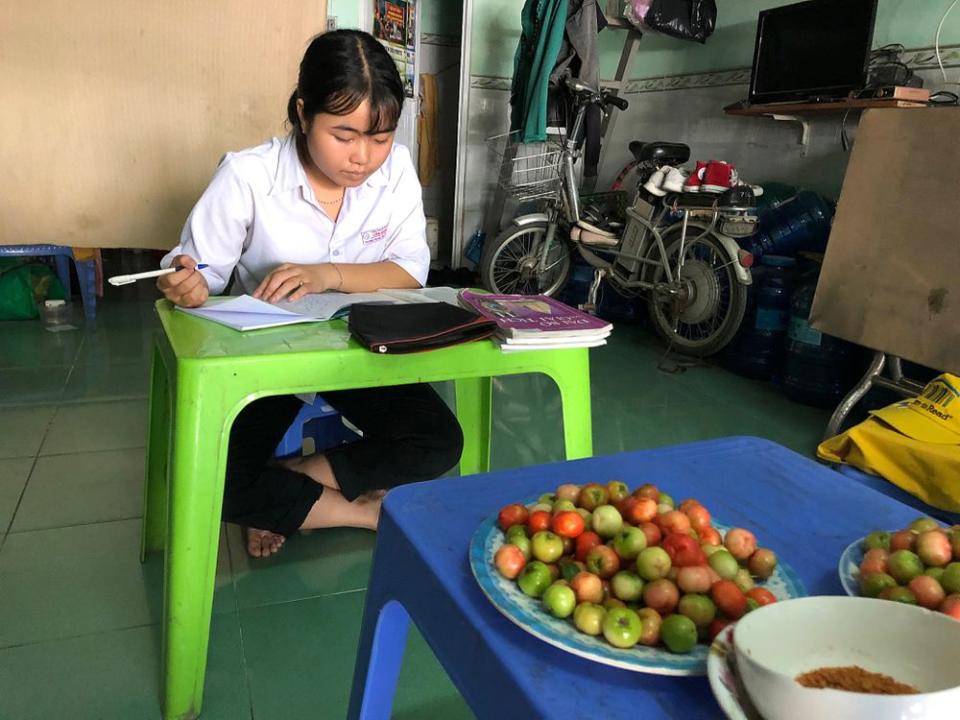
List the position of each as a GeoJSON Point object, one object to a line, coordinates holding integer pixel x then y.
{"type": "Point", "coordinates": [339, 71]}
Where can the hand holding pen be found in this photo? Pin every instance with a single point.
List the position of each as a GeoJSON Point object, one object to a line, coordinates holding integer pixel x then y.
{"type": "Point", "coordinates": [184, 286]}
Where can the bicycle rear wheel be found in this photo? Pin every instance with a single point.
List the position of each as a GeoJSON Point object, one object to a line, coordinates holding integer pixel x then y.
{"type": "Point", "coordinates": [704, 307]}
{"type": "Point", "coordinates": [510, 263]}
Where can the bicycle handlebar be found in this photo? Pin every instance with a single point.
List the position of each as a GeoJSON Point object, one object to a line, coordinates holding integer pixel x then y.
{"type": "Point", "coordinates": [618, 102]}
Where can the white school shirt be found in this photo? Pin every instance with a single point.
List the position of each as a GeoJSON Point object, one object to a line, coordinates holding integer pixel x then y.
{"type": "Point", "coordinates": [259, 212]}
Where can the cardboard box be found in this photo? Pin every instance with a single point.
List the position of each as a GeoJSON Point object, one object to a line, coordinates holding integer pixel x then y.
{"type": "Point", "coordinates": [891, 274]}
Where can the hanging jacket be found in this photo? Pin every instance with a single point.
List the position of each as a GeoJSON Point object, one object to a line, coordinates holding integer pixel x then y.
{"type": "Point", "coordinates": [542, 24]}
{"type": "Point", "coordinates": [579, 58]}
{"type": "Point", "coordinates": [578, 55]}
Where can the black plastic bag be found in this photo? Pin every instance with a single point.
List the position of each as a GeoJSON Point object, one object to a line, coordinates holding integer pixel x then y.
{"type": "Point", "coordinates": [684, 19]}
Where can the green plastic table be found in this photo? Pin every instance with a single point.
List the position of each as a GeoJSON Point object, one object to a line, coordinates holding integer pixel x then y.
{"type": "Point", "coordinates": [202, 376]}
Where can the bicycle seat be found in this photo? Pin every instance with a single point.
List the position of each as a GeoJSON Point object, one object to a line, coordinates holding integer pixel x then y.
{"type": "Point", "coordinates": [661, 153]}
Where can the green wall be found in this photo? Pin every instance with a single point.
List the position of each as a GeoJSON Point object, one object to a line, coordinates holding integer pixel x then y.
{"type": "Point", "coordinates": [442, 17]}
{"type": "Point", "coordinates": [347, 12]}
{"type": "Point", "coordinates": [496, 30]}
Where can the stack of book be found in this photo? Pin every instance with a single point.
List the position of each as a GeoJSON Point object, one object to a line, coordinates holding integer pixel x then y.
{"type": "Point", "coordinates": [537, 322]}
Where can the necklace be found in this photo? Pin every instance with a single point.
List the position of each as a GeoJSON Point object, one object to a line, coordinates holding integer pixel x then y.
{"type": "Point", "coordinates": [331, 202]}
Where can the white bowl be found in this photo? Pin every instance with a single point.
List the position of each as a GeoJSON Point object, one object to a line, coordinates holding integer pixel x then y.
{"type": "Point", "coordinates": [919, 647]}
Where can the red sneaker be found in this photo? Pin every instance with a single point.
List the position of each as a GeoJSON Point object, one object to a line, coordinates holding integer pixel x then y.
{"type": "Point", "coordinates": [718, 177]}
{"type": "Point", "coordinates": [696, 178]}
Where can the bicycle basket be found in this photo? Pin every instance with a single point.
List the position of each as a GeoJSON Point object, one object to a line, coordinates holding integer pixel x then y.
{"type": "Point", "coordinates": [528, 171]}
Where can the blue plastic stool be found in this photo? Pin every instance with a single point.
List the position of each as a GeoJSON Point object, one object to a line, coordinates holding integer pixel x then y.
{"type": "Point", "coordinates": [315, 420]}
{"type": "Point", "coordinates": [86, 271]}
{"type": "Point", "coordinates": [890, 490]}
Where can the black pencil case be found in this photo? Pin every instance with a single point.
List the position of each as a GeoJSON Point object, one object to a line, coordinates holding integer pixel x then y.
{"type": "Point", "coordinates": [415, 327]}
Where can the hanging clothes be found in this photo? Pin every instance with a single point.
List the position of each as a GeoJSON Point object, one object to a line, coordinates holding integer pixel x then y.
{"type": "Point", "coordinates": [579, 58]}
{"type": "Point", "coordinates": [428, 129]}
{"type": "Point", "coordinates": [542, 26]}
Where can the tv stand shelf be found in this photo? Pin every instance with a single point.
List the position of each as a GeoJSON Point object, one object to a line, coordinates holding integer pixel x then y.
{"type": "Point", "coordinates": [798, 112]}
{"type": "Point", "coordinates": [816, 108]}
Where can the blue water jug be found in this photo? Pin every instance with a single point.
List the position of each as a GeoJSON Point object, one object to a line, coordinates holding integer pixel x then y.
{"type": "Point", "coordinates": [756, 350]}
{"type": "Point", "coordinates": [816, 366]}
{"type": "Point", "coordinates": [802, 223]}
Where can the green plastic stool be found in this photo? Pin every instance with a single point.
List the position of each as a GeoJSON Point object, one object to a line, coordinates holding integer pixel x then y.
{"type": "Point", "coordinates": [204, 374]}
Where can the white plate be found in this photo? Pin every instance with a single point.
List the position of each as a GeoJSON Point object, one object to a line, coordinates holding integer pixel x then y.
{"type": "Point", "coordinates": [849, 567]}
{"type": "Point", "coordinates": [727, 688]}
{"type": "Point", "coordinates": [528, 613]}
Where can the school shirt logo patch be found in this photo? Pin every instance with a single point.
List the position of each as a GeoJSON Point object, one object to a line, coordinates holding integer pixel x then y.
{"type": "Point", "coordinates": [369, 237]}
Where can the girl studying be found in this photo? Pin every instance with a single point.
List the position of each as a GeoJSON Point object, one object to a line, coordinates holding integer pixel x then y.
{"type": "Point", "coordinates": [334, 205]}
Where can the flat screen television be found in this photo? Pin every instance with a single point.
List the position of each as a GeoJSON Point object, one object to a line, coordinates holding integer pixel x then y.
{"type": "Point", "coordinates": [812, 51]}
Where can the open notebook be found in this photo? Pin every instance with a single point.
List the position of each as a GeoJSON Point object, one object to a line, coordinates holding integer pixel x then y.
{"type": "Point", "coordinates": [248, 313]}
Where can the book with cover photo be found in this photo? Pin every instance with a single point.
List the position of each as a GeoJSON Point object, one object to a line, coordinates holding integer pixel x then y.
{"type": "Point", "coordinates": [523, 316]}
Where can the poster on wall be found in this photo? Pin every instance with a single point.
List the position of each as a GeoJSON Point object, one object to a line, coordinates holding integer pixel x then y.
{"type": "Point", "coordinates": [394, 25]}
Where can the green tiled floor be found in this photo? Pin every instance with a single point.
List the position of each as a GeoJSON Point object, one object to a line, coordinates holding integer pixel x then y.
{"type": "Point", "coordinates": [80, 634]}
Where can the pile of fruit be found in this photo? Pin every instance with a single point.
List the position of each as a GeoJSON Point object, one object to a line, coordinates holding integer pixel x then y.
{"type": "Point", "coordinates": [632, 567]}
{"type": "Point", "coordinates": [919, 565]}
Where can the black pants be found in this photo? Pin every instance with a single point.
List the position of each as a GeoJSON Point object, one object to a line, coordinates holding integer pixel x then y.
{"type": "Point", "coordinates": [409, 434]}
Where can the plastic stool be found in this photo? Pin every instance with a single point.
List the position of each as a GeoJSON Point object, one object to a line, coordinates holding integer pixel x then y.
{"type": "Point", "coordinates": [318, 421]}
{"type": "Point", "coordinates": [86, 271]}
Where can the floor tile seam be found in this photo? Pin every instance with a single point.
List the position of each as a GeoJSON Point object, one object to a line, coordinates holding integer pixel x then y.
{"type": "Point", "coordinates": [26, 484]}
{"type": "Point", "coordinates": [84, 452]}
{"type": "Point", "coordinates": [78, 636]}
{"type": "Point", "coordinates": [260, 606]}
{"type": "Point", "coordinates": [73, 525]}
{"type": "Point", "coordinates": [78, 452]}
{"type": "Point", "coordinates": [247, 680]}
{"type": "Point", "coordinates": [23, 491]}
{"type": "Point", "coordinates": [113, 398]}
{"type": "Point", "coordinates": [109, 401]}
{"type": "Point", "coordinates": [35, 366]}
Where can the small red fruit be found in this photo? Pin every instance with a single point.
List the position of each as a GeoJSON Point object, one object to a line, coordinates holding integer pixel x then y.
{"type": "Point", "coordinates": [716, 627]}
{"type": "Point", "coordinates": [761, 596]}
{"type": "Point", "coordinates": [710, 536]}
{"type": "Point", "coordinates": [741, 543]}
{"type": "Point", "coordinates": [903, 540]}
{"type": "Point", "coordinates": [586, 542]}
{"type": "Point", "coordinates": [513, 514]}
{"type": "Point", "coordinates": [729, 599]}
{"type": "Point", "coordinates": [951, 606]}
{"type": "Point", "coordinates": [673, 521]}
{"type": "Point", "coordinates": [509, 561]}
{"type": "Point", "coordinates": [539, 520]}
{"type": "Point", "coordinates": [652, 532]}
{"type": "Point", "coordinates": [568, 524]}
{"type": "Point", "coordinates": [647, 490]}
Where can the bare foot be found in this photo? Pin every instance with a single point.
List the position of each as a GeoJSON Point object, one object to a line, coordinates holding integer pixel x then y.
{"type": "Point", "coordinates": [263, 543]}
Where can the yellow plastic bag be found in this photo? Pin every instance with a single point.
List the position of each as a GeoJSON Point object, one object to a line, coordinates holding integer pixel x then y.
{"type": "Point", "coordinates": [915, 444]}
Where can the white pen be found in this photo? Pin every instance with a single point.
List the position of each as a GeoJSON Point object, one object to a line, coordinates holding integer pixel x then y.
{"type": "Point", "coordinates": [127, 279]}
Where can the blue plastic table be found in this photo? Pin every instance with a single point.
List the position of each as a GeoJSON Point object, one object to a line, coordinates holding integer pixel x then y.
{"type": "Point", "coordinates": [888, 488]}
{"type": "Point", "coordinates": [806, 512]}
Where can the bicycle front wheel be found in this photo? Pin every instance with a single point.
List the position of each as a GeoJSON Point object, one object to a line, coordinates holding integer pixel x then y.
{"type": "Point", "coordinates": [511, 263]}
{"type": "Point", "coordinates": [703, 308]}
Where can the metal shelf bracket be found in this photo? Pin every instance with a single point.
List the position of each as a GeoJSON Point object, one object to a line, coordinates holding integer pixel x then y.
{"type": "Point", "coordinates": [804, 128]}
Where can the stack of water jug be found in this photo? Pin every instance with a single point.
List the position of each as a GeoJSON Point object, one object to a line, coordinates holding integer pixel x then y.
{"type": "Point", "coordinates": [776, 341]}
